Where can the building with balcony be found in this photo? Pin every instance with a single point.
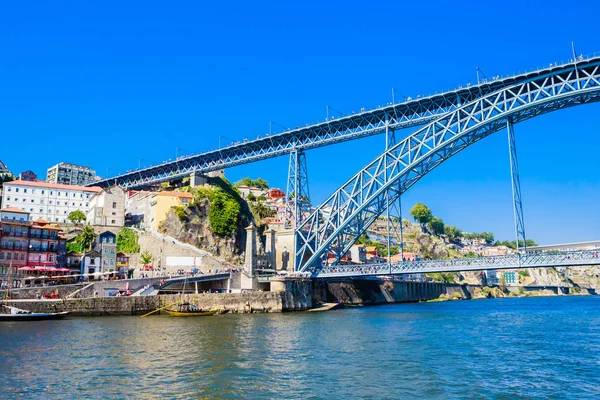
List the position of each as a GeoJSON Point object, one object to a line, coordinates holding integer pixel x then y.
{"type": "Point", "coordinates": [27, 244]}
{"type": "Point", "coordinates": [70, 174]}
{"type": "Point", "coordinates": [48, 201]}
{"type": "Point", "coordinates": [43, 244]}
{"type": "Point", "coordinates": [14, 240]}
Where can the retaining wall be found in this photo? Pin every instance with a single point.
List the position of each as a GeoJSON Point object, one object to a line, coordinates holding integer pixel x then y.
{"type": "Point", "coordinates": [138, 305]}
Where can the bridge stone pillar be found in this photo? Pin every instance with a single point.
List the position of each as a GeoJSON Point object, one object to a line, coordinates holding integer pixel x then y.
{"type": "Point", "coordinates": [197, 179]}
{"type": "Point", "coordinates": [250, 256]}
{"type": "Point", "coordinates": [248, 282]}
{"type": "Point", "coordinates": [270, 247]}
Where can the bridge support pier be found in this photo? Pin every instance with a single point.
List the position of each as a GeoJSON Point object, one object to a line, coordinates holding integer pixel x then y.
{"type": "Point", "coordinates": [297, 195]}
{"type": "Point", "coordinates": [516, 186]}
{"type": "Point", "coordinates": [393, 228]}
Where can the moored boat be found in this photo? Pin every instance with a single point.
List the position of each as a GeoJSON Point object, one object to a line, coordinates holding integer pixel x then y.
{"type": "Point", "coordinates": [189, 310]}
{"type": "Point", "coordinates": [10, 313]}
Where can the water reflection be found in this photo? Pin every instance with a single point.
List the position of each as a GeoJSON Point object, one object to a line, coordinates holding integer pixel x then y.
{"type": "Point", "coordinates": [492, 348]}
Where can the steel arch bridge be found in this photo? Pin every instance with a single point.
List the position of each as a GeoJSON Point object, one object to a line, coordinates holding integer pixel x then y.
{"type": "Point", "coordinates": [410, 113]}
{"type": "Point", "coordinates": [335, 225]}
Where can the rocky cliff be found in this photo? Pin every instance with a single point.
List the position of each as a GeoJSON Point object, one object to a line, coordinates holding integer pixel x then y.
{"type": "Point", "coordinates": [192, 224]}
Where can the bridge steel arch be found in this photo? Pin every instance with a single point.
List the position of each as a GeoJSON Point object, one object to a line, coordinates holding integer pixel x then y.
{"type": "Point", "coordinates": [335, 225]}
{"type": "Point", "coordinates": [410, 113]}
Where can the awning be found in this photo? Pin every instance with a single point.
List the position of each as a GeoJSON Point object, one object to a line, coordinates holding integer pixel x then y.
{"type": "Point", "coordinates": [26, 269]}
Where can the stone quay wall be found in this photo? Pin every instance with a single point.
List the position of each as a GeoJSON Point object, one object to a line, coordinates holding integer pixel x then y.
{"type": "Point", "coordinates": [138, 305]}
{"type": "Point", "coordinates": [379, 291]}
{"type": "Point", "coordinates": [33, 292]}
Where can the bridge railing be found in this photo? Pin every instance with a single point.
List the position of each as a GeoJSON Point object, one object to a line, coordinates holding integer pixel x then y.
{"type": "Point", "coordinates": [549, 259]}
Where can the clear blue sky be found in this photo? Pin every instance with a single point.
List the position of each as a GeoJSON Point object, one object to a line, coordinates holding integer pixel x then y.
{"type": "Point", "coordinates": [108, 83]}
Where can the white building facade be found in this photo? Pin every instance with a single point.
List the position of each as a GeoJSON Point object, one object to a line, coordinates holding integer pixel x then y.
{"type": "Point", "coordinates": [48, 201]}
{"type": "Point", "coordinates": [107, 208]}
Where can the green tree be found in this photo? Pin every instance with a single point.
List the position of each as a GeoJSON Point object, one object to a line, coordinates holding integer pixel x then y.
{"type": "Point", "coordinates": [86, 237]}
{"type": "Point", "coordinates": [251, 197]}
{"type": "Point", "coordinates": [452, 232]}
{"type": "Point", "coordinates": [76, 217]}
{"type": "Point", "coordinates": [74, 247]}
{"type": "Point", "coordinates": [146, 258]}
{"type": "Point", "coordinates": [262, 211]}
{"type": "Point", "coordinates": [261, 183]}
{"type": "Point", "coordinates": [257, 183]}
{"type": "Point", "coordinates": [393, 251]}
{"type": "Point", "coordinates": [470, 255]}
{"type": "Point", "coordinates": [364, 239]}
{"type": "Point", "coordinates": [127, 241]}
{"type": "Point", "coordinates": [436, 225]}
{"type": "Point", "coordinates": [421, 213]}
{"type": "Point", "coordinates": [487, 236]}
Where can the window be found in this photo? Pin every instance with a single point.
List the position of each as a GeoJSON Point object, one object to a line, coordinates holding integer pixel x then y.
{"type": "Point", "coordinates": [114, 213]}
{"type": "Point", "coordinates": [50, 202]}
{"type": "Point", "coordinates": [8, 255]}
{"type": "Point", "coordinates": [112, 221]}
{"type": "Point", "coordinates": [17, 190]}
{"type": "Point", "coordinates": [32, 200]}
{"type": "Point", "coordinates": [72, 204]}
{"type": "Point", "coordinates": [24, 190]}
{"type": "Point", "coordinates": [1, 255]}
{"type": "Point", "coordinates": [8, 198]}
{"type": "Point", "coordinates": [114, 204]}
{"type": "Point", "coordinates": [9, 189]}
{"type": "Point", "coordinates": [51, 193]}
{"type": "Point", "coordinates": [59, 193]}
{"type": "Point", "coordinates": [43, 191]}
{"type": "Point", "coordinates": [22, 256]}
{"type": "Point", "coordinates": [24, 200]}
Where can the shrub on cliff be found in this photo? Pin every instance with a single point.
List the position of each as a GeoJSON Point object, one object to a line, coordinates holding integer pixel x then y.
{"type": "Point", "coordinates": [224, 213]}
{"type": "Point", "coordinates": [127, 241]}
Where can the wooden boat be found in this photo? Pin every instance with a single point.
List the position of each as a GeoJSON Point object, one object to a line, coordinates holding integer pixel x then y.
{"type": "Point", "coordinates": [16, 314]}
{"type": "Point", "coordinates": [189, 310]}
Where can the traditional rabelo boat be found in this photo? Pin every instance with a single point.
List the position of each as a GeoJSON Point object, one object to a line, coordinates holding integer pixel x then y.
{"type": "Point", "coordinates": [189, 310]}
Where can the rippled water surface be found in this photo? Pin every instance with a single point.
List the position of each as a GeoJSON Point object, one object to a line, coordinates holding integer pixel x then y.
{"type": "Point", "coordinates": [503, 348]}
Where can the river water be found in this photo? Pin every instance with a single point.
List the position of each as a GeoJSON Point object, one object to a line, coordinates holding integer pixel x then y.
{"type": "Point", "coordinates": [499, 348]}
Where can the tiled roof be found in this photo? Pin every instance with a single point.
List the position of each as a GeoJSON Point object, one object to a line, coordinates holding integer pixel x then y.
{"type": "Point", "coordinates": [184, 195]}
{"type": "Point", "coordinates": [14, 210]}
{"type": "Point", "coordinates": [94, 189]}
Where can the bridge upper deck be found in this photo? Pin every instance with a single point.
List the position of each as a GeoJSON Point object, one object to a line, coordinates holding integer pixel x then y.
{"type": "Point", "coordinates": [412, 112]}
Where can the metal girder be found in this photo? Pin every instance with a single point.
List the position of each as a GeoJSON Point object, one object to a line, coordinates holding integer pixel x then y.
{"type": "Point", "coordinates": [297, 196]}
{"type": "Point", "coordinates": [410, 113]}
{"type": "Point", "coordinates": [512, 261]}
{"type": "Point", "coordinates": [516, 186]}
{"type": "Point", "coordinates": [335, 225]}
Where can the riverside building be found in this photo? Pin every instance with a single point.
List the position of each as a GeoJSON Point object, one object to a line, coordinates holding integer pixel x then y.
{"type": "Point", "coordinates": [48, 201]}
{"type": "Point", "coordinates": [70, 174]}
